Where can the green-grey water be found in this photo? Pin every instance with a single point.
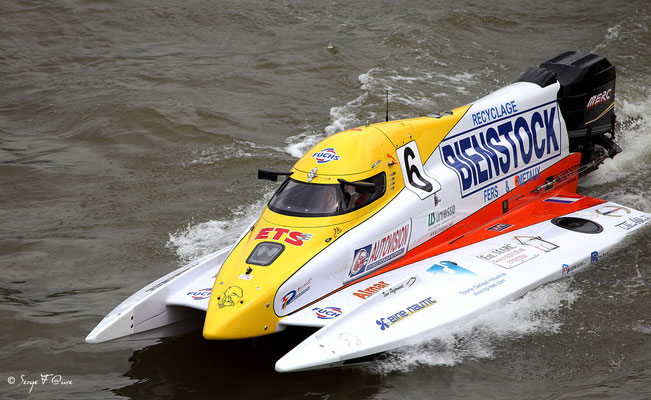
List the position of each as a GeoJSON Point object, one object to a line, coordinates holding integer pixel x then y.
{"type": "Point", "coordinates": [130, 136]}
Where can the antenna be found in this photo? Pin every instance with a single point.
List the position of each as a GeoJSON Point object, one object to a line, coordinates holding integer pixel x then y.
{"type": "Point", "coordinates": [387, 105]}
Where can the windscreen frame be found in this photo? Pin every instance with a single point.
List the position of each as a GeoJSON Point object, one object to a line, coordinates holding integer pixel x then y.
{"type": "Point", "coordinates": [339, 195]}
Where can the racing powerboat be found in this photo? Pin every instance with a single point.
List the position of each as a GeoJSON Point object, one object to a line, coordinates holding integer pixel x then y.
{"type": "Point", "coordinates": [387, 234]}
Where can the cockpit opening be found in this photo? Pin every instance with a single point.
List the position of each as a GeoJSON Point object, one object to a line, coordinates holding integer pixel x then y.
{"type": "Point", "coordinates": [301, 199]}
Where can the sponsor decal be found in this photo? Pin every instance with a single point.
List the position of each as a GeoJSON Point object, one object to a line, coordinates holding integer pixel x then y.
{"type": "Point", "coordinates": [499, 227]}
{"type": "Point", "coordinates": [370, 291]}
{"type": "Point", "coordinates": [440, 216]}
{"type": "Point", "coordinates": [594, 257]}
{"type": "Point", "coordinates": [393, 290]}
{"type": "Point", "coordinates": [509, 255]}
{"type": "Point", "coordinates": [231, 294]}
{"type": "Point", "coordinates": [381, 252]}
{"type": "Point", "coordinates": [568, 172]}
{"type": "Point", "coordinates": [485, 155]}
{"type": "Point", "coordinates": [385, 323]}
{"type": "Point", "coordinates": [359, 260]}
{"type": "Point", "coordinates": [295, 294]}
{"type": "Point", "coordinates": [326, 155]}
{"type": "Point", "coordinates": [295, 238]}
{"type": "Point", "coordinates": [288, 298]}
{"type": "Point", "coordinates": [567, 269]}
{"type": "Point", "coordinates": [485, 286]}
{"type": "Point", "coordinates": [526, 176]}
{"type": "Point", "coordinates": [491, 193]}
{"type": "Point", "coordinates": [599, 98]}
{"type": "Point", "coordinates": [200, 294]}
{"type": "Point", "coordinates": [327, 312]}
{"type": "Point", "coordinates": [633, 222]}
{"type": "Point", "coordinates": [245, 277]}
{"type": "Point", "coordinates": [613, 211]}
{"type": "Point", "coordinates": [450, 268]}
{"type": "Point", "coordinates": [537, 242]}
{"type": "Point", "coordinates": [591, 115]}
{"type": "Point", "coordinates": [564, 198]}
{"type": "Point", "coordinates": [493, 113]}
{"type": "Point", "coordinates": [439, 221]}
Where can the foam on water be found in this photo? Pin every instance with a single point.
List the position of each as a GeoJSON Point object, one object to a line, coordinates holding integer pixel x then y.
{"type": "Point", "coordinates": [341, 118]}
{"type": "Point", "coordinates": [299, 144]}
{"type": "Point", "coordinates": [346, 116]}
{"type": "Point", "coordinates": [613, 32]}
{"type": "Point", "coordinates": [199, 239]}
{"type": "Point", "coordinates": [374, 83]}
{"type": "Point", "coordinates": [632, 164]}
{"type": "Point", "coordinates": [634, 137]}
{"type": "Point", "coordinates": [642, 327]}
{"type": "Point", "coordinates": [536, 313]}
{"type": "Point", "coordinates": [633, 30]}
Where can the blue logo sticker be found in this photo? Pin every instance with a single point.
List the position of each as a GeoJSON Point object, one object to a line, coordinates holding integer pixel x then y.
{"type": "Point", "coordinates": [325, 155]}
{"type": "Point", "coordinates": [594, 257]}
{"type": "Point", "coordinates": [383, 325]}
{"type": "Point", "coordinates": [450, 268]}
{"type": "Point", "coordinates": [327, 312]}
{"type": "Point", "coordinates": [288, 298]}
{"type": "Point", "coordinates": [200, 294]}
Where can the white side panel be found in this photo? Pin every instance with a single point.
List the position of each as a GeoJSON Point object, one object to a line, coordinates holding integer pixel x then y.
{"type": "Point", "coordinates": [435, 294]}
{"type": "Point", "coordinates": [152, 308]}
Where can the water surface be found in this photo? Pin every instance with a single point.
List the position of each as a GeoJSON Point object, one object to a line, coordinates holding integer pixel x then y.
{"type": "Point", "coordinates": [130, 135]}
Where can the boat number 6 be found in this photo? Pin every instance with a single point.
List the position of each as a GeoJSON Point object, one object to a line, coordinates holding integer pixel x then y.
{"type": "Point", "coordinates": [413, 173]}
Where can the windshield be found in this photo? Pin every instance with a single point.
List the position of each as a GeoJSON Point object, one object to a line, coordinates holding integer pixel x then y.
{"type": "Point", "coordinates": [317, 200]}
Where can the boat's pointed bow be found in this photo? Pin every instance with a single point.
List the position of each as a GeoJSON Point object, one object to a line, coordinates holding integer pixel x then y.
{"type": "Point", "coordinates": [239, 310]}
{"type": "Point", "coordinates": [310, 354]}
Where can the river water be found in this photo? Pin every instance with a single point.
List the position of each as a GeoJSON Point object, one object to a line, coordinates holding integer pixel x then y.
{"type": "Point", "coordinates": [130, 135]}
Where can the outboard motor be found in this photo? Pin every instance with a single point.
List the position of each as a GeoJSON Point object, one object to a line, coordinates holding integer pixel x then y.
{"type": "Point", "coordinates": [586, 99]}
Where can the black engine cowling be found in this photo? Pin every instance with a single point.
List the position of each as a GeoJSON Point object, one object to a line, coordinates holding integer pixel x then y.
{"type": "Point", "coordinates": [586, 99]}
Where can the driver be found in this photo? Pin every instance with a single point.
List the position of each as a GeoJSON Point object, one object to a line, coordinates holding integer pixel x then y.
{"type": "Point", "coordinates": [353, 198]}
